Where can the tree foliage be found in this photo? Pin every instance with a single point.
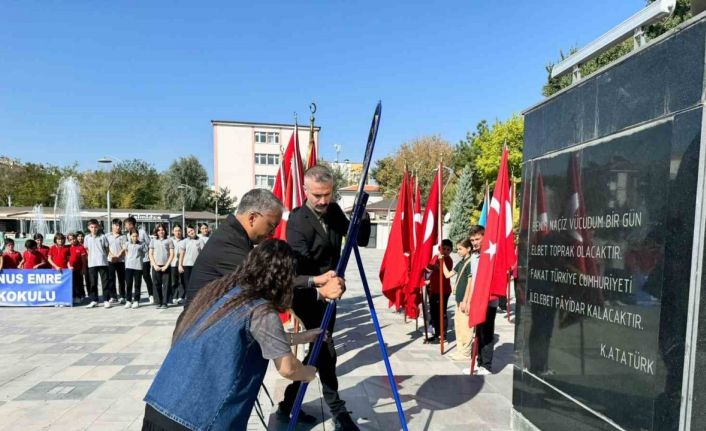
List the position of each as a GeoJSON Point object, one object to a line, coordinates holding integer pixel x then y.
{"type": "Point", "coordinates": [482, 150]}
{"type": "Point", "coordinates": [134, 185]}
{"type": "Point", "coordinates": [421, 156]}
{"type": "Point", "coordinates": [462, 206]}
{"type": "Point", "coordinates": [30, 184]}
{"type": "Point", "coordinates": [226, 201]}
{"type": "Point", "coordinates": [682, 12]}
{"type": "Point", "coordinates": [191, 175]}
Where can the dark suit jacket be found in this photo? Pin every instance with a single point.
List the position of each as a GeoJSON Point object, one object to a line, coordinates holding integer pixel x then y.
{"type": "Point", "coordinates": [225, 251]}
{"type": "Point", "coordinates": [317, 252]}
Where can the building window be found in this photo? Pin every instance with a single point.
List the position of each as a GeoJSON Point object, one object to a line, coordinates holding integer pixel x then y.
{"type": "Point", "coordinates": [267, 137]}
{"type": "Point", "coordinates": [265, 181]}
{"type": "Point", "coordinates": [266, 159]}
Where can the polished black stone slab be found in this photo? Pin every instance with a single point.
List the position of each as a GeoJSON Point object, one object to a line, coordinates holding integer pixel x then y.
{"type": "Point", "coordinates": [663, 79]}
{"type": "Point", "coordinates": [606, 239]}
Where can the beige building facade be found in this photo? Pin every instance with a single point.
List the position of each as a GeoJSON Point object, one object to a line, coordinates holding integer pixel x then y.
{"type": "Point", "coordinates": [247, 155]}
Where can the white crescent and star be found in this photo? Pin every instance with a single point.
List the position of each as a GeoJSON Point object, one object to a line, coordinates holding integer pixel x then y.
{"type": "Point", "coordinates": [492, 249]}
{"type": "Point", "coordinates": [429, 227]}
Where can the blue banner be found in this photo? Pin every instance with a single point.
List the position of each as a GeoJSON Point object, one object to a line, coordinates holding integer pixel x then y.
{"type": "Point", "coordinates": [35, 287]}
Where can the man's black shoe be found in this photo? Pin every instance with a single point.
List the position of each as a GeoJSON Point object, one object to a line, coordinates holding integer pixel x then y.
{"type": "Point", "coordinates": [344, 422]}
{"type": "Point", "coordinates": [303, 418]}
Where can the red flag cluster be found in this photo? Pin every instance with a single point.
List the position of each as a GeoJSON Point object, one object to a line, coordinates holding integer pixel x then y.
{"type": "Point", "coordinates": [289, 187]}
{"type": "Point", "coordinates": [410, 246]}
{"type": "Point", "coordinates": [497, 254]}
{"type": "Point", "coordinates": [289, 183]}
{"type": "Point", "coordinates": [394, 270]}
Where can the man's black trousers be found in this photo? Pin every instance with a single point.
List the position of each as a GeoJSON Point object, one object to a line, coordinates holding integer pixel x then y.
{"type": "Point", "coordinates": [161, 287]}
{"type": "Point", "coordinates": [311, 317]}
{"type": "Point", "coordinates": [486, 333]}
{"type": "Point", "coordinates": [93, 273]}
{"type": "Point", "coordinates": [146, 268]}
{"type": "Point", "coordinates": [117, 269]}
{"type": "Point", "coordinates": [434, 311]}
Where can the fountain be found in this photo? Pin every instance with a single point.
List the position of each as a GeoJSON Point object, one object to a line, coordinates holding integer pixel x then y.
{"type": "Point", "coordinates": [68, 205]}
{"type": "Point", "coordinates": [38, 224]}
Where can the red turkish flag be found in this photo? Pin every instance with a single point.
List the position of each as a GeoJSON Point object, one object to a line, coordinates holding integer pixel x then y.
{"type": "Point", "coordinates": [411, 225]}
{"type": "Point", "coordinates": [581, 238]}
{"type": "Point", "coordinates": [394, 270]}
{"type": "Point", "coordinates": [289, 182]}
{"type": "Point", "coordinates": [542, 214]}
{"type": "Point", "coordinates": [417, 228]}
{"type": "Point", "coordinates": [497, 256]}
{"type": "Point", "coordinates": [424, 249]}
{"type": "Point", "coordinates": [289, 189]}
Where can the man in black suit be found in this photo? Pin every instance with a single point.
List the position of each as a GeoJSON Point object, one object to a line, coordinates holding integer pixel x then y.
{"type": "Point", "coordinates": [315, 231]}
{"type": "Point", "coordinates": [259, 213]}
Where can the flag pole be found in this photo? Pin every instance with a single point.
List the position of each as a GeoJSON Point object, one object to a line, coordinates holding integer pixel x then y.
{"type": "Point", "coordinates": [414, 239]}
{"type": "Point", "coordinates": [404, 178]}
{"type": "Point", "coordinates": [312, 141]}
{"type": "Point", "coordinates": [509, 273]}
{"type": "Point", "coordinates": [442, 261]}
{"type": "Point", "coordinates": [474, 350]}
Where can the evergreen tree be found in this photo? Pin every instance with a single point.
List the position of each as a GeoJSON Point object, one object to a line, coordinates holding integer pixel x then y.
{"type": "Point", "coordinates": [462, 207]}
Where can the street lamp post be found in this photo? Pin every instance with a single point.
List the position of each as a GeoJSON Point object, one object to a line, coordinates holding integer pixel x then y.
{"type": "Point", "coordinates": [109, 160]}
{"type": "Point", "coordinates": [183, 187]}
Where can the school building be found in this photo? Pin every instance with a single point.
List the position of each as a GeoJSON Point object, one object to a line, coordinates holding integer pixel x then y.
{"type": "Point", "coordinates": [247, 154]}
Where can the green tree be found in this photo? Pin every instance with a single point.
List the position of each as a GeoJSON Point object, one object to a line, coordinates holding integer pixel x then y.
{"type": "Point", "coordinates": [421, 156]}
{"type": "Point", "coordinates": [482, 150]}
{"type": "Point", "coordinates": [462, 206]}
{"type": "Point", "coordinates": [31, 183]}
{"type": "Point", "coordinates": [682, 12]}
{"type": "Point", "coordinates": [227, 203]}
{"type": "Point", "coordinates": [134, 185]}
{"type": "Point", "coordinates": [94, 188]}
{"type": "Point", "coordinates": [186, 171]}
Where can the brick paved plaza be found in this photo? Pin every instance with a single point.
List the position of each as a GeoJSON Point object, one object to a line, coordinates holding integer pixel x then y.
{"type": "Point", "coordinates": [78, 369]}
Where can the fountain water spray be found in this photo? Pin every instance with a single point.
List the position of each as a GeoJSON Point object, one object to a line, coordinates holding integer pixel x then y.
{"type": "Point", "coordinates": [68, 207]}
{"type": "Point", "coordinates": [38, 224]}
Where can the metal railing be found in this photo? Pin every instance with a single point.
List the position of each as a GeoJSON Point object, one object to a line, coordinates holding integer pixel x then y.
{"type": "Point", "coordinates": [631, 27]}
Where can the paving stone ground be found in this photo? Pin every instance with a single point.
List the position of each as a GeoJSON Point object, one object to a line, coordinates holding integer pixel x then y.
{"type": "Point", "coordinates": [81, 369]}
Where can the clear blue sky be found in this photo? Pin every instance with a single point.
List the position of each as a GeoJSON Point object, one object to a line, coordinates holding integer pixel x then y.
{"type": "Point", "coordinates": [136, 79]}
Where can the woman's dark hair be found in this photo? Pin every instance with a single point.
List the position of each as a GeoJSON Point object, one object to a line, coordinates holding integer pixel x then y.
{"type": "Point", "coordinates": [38, 236]}
{"type": "Point", "coordinates": [156, 228]}
{"type": "Point", "coordinates": [30, 244]}
{"type": "Point", "coordinates": [267, 274]}
{"type": "Point", "coordinates": [59, 236]}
